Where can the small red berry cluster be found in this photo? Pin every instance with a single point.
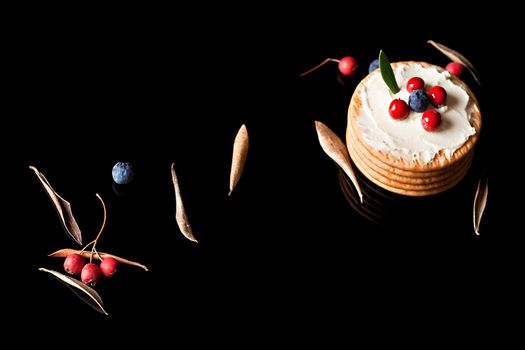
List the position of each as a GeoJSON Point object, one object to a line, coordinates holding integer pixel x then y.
{"type": "Point", "coordinates": [431, 119]}
{"type": "Point", "coordinates": [90, 273]}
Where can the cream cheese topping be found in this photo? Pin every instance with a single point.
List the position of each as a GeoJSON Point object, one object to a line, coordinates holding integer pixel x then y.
{"type": "Point", "coordinates": [406, 138]}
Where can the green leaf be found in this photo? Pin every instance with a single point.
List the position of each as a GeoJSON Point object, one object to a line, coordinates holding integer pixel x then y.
{"type": "Point", "coordinates": [387, 73]}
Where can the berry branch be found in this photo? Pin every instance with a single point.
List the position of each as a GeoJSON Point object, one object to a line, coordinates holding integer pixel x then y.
{"type": "Point", "coordinates": [347, 65]}
{"type": "Point", "coordinates": [319, 66]}
{"type": "Point", "coordinates": [94, 242]}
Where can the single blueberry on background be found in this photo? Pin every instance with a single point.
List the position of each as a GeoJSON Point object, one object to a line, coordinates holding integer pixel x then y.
{"type": "Point", "coordinates": [373, 65]}
{"type": "Point", "coordinates": [122, 173]}
{"type": "Point", "coordinates": [418, 101]}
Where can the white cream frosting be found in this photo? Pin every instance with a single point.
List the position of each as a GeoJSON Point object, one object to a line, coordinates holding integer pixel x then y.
{"type": "Point", "coordinates": [406, 138]}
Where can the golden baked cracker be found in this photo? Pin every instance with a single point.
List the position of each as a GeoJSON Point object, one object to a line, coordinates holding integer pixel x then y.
{"type": "Point", "coordinates": [405, 176]}
{"type": "Point", "coordinates": [409, 190]}
{"type": "Point", "coordinates": [440, 160]}
{"type": "Point", "coordinates": [436, 184]}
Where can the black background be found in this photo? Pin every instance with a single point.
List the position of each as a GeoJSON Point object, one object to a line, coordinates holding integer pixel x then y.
{"type": "Point", "coordinates": [285, 258]}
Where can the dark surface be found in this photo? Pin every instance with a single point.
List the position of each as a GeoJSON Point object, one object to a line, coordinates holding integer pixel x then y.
{"type": "Point", "coordinates": [286, 255]}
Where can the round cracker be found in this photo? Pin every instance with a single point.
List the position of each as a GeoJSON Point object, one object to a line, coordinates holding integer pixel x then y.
{"type": "Point", "coordinates": [410, 177]}
{"type": "Point", "coordinates": [400, 175]}
{"type": "Point", "coordinates": [439, 183]}
{"type": "Point", "coordinates": [409, 190]}
{"type": "Point", "coordinates": [440, 160]}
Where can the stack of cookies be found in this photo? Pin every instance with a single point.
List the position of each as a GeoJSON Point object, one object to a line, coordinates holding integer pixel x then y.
{"type": "Point", "coordinates": [400, 155]}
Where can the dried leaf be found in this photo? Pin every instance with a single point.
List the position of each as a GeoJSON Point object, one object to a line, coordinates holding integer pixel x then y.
{"type": "Point", "coordinates": [456, 57]}
{"type": "Point", "coordinates": [240, 152]}
{"type": "Point", "coordinates": [336, 149]}
{"type": "Point", "coordinates": [480, 202]}
{"type": "Point", "coordinates": [84, 292]}
{"type": "Point", "coordinates": [62, 207]}
{"type": "Point", "coordinates": [180, 212]}
{"type": "Point", "coordinates": [62, 253]}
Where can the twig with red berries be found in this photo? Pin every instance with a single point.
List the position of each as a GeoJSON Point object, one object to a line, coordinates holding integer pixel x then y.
{"type": "Point", "coordinates": [347, 65]}
{"type": "Point", "coordinates": [91, 273]}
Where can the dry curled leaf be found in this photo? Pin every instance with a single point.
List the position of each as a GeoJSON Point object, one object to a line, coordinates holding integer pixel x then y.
{"type": "Point", "coordinates": [336, 149]}
{"type": "Point", "coordinates": [180, 212]}
{"type": "Point", "coordinates": [62, 253]}
{"type": "Point", "coordinates": [480, 202]}
{"type": "Point", "coordinates": [456, 57]}
{"type": "Point", "coordinates": [240, 152]}
{"type": "Point", "coordinates": [62, 207]}
{"type": "Point", "coordinates": [84, 292]}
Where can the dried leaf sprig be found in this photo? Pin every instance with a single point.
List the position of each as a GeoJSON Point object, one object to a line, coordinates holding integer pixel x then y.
{"type": "Point", "coordinates": [83, 289]}
{"type": "Point", "coordinates": [180, 211]}
{"type": "Point", "coordinates": [240, 153]}
{"type": "Point", "coordinates": [480, 202]}
{"type": "Point", "coordinates": [335, 149]}
{"type": "Point", "coordinates": [456, 57]}
{"type": "Point", "coordinates": [62, 207]}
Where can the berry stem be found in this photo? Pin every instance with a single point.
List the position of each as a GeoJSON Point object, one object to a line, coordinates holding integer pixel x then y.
{"type": "Point", "coordinates": [99, 257]}
{"type": "Point", "coordinates": [101, 228]}
{"type": "Point", "coordinates": [104, 221]}
{"type": "Point", "coordinates": [319, 66]}
{"type": "Point", "coordinates": [94, 242]}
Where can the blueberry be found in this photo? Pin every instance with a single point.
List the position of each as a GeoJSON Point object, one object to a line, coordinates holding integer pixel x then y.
{"type": "Point", "coordinates": [418, 101]}
{"type": "Point", "coordinates": [122, 173]}
{"type": "Point", "coordinates": [373, 65]}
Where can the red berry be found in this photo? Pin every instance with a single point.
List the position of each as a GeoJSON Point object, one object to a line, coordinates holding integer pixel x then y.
{"type": "Point", "coordinates": [347, 65]}
{"type": "Point", "coordinates": [90, 274]}
{"type": "Point", "coordinates": [109, 266]}
{"type": "Point", "coordinates": [455, 68]}
{"type": "Point", "coordinates": [437, 95]}
{"type": "Point", "coordinates": [398, 109]}
{"type": "Point", "coordinates": [74, 263]}
{"type": "Point", "coordinates": [415, 83]}
{"type": "Point", "coordinates": [431, 120]}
